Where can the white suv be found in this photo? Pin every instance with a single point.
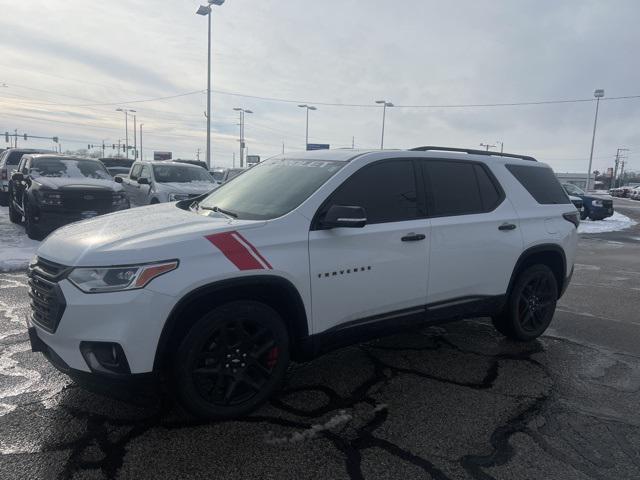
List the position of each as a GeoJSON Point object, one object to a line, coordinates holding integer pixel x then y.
{"type": "Point", "coordinates": [299, 255]}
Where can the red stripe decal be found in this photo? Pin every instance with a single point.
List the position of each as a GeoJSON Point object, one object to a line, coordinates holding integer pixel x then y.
{"type": "Point", "coordinates": [234, 251]}
{"type": "Point", "coordinates": [255, 250]}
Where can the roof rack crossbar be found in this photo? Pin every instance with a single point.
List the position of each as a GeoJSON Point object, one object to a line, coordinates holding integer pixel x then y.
{"type": "Point", "coordinates": [472, 151]}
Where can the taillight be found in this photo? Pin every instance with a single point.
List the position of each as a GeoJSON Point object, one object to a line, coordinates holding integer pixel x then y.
{"type": "Point", "coordinates": [572, 217]}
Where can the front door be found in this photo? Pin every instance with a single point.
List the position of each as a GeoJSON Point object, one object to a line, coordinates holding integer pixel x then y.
{"type": "Point", "coordinates": [381, 268]}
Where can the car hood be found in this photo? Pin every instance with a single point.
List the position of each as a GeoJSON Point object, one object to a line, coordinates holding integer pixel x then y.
{"type": "Point", "coordinates": [595, 196]}
{"type": "Point", "coordinates": [63, 183]}
{"type": "Point", "coordinates": [186, 187]}
{"type": "Point", "coordinates": [145, 234]}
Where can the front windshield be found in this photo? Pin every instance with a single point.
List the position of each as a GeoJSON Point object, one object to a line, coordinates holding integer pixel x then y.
{"type": "Point", "coordinates": [272, 188]}
{"type": "Point", "coordinates": [68, 168]}
{"type": "Point", "coordinates": [572, 189]}
{"type": "Point", "coordinates": [180, 174]}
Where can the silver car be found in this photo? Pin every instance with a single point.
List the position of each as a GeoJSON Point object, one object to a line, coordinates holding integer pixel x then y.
{"type": "Point", "coordinates": [164, 181]}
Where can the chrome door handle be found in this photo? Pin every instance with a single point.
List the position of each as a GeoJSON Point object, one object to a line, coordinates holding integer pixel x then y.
{"type": "Point", "coordinates": [413, 237]}
{"type": "Point", "coordinates": [507, 226]}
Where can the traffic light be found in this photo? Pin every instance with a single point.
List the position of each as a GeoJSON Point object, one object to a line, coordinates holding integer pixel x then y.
{"type": "Point", "coordinates": [55, 139]}
{"type": "Point", "coordinates": [24, 136]}
{"type": "Point", "coordinates": [113, 146]}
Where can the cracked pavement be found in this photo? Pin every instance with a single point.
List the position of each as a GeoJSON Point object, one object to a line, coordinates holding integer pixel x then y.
{"type": "Point", "coordinates": [454, 401]}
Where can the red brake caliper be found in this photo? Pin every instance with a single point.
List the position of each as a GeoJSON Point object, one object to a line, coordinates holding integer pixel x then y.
{"type": "Point", "coordinates": [272, 357]}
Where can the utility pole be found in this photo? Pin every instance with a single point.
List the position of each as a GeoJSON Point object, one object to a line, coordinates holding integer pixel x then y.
{"type": "Point", "coordinates": [198, 154]}
{"type": "Point", "coordinates": [283, 148]}
{"type": "Point", "coordinates": [618, 158]}
{"type": "Point", "coordinates": [501, 146]}
{"type": "Point", "coordinates": [135, 139]}
{"type": "Point", "coordinates": [353, 143]}
{"type": "Point", "coordinates": [141, 140]}
{"type": "Point", "coordinates": [242, 111]}
{"type": "Point", "coordinates": [598, 94]}
{"type": "Point", "coordinates": [384, 104]}
{"type": "Point", "coordinates": [622, 162]}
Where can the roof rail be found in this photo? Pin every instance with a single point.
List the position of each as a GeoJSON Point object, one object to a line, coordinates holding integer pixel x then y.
{"type": "Point", "coordinates": [472, 151]}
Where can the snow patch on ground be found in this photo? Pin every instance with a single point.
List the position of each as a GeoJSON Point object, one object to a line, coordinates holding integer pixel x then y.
{"type": "Point", "coordinates": [16, 249]}
{"type": "Point", "coordinates": [612, 224]}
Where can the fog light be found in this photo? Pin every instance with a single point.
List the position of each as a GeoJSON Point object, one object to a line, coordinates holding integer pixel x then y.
{"type": "Point", "coordinates": [105, 357]}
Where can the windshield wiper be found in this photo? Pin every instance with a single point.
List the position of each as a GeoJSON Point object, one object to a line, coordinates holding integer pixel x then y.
{"type": "Point", "coordinates": [227, 213]}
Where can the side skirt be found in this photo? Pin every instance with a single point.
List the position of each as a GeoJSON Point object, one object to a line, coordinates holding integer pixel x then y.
{"type": "Point", "coordinates": [390, 323]}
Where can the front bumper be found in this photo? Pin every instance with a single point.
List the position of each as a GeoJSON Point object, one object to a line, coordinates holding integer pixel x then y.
{"type": "Point", "coordinates": [49, 219]}
{"type": "Point", "coordinates": [132, 320]}
{"type": "Point", "coordinates": [598, 213]}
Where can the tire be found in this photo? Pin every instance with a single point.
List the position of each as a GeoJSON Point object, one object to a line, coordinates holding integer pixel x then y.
{"type": "Point", "coordinates": [530, 306]}
{"type": "Point", "coordinates": [14, 215]}
{"type": "Point", "coordinates": [154, 201]}
{"type": "Point", "coordinates": [231, 360]}
{"type": "Point", "coordinates": [33, 232]}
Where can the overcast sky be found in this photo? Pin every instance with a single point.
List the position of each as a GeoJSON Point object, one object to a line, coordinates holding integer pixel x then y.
{"type": "Point", "coordinates": [59, 54]}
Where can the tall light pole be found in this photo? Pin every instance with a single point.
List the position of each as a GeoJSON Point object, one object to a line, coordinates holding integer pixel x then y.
{"type": "Point", "coordinates": [487, 146]}
{"type": "Point", "coordinates": [384, 104]}
{"type": "Point", "coordinates": [242, 111]}
{"type": "Point", "coordinates": [501, 146]}
{"type": "Point", "coordinates": [206, 11]}
{"type": "Point", "coordinates": [141, 157]}
{"type": "Point", "coordinates": [308, 107]}
{"type": "Point", "coordinates": [135, 139]}
{"type": "Point", "coordinates": [598, 93]}
{"type": "Point", "coordinates": [126, 112]}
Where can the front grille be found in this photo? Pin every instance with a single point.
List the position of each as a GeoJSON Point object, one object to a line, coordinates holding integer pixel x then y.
{"type": "Point", "coordinates": [47, 300]}
{"type": "Point", "coordinates": [87, 200]}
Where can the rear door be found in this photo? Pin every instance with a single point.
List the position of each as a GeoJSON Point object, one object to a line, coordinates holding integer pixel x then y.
{"type": "Point", "coordinates": [380, 269]}
{"type": "Point", "coordinates": [19, 188]}
{"type": "Point", "coordinates": [475, 234]}
{"type": "Point", "coordinates": [144, 191]}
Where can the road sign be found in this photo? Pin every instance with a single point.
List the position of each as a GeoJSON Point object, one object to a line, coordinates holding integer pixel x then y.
{"type": "Point", "coordinates": [318, 146]}
{"type": "Point", "coordinates": [162, 155]}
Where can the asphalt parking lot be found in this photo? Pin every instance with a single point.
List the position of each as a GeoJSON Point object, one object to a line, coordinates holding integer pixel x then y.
{"type": "Point", "coordinates": [448, 402]}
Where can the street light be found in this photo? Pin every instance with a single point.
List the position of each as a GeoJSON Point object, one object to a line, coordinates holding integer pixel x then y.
{"type": "Point", "coordinates": [598, 93]}
{"type": "Point", "coordinates": [126, 126]}
{"type": "Point", "coordinates": [242, 111]}
{"type": "Point", "coordinates": [141, 157]}
{"type": "Point", "coordinates": [384, 104]}
{"type": "Point", "coordinates": [206, 11]}
{"type": "Point", "coordinates": [308, 107]}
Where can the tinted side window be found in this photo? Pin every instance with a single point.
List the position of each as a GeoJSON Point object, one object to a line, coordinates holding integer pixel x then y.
{"type": "Point", "coordinates": [135, 172]}
{"type": "Point", "coordinates": [452, 188]}
{"type": "Point", "coordinates": [488, 192]}
{"type": "Point", "coordinates": [386, 190]}
{"type": "Point", "coordinates": [541, 183]}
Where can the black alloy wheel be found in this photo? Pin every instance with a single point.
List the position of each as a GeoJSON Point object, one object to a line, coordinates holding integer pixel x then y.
{"type": "Point", "coordinates": [232, 360]}
{"type": "Point", "coordinates": [530, 306]}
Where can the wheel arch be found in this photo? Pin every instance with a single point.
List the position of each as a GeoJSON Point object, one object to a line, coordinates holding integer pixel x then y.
{"type": "Point", "coordinates": [275, 291]}
{"type": "Point", "coordinates": [549, 254]}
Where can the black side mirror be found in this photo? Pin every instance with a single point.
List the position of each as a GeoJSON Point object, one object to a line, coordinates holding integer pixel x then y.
{"type": "Point", "coordinates": [117, 179]}
{"type": "Point", "coordinates": [344, 216]}
{"type": "Point", "coordinates": [17, 177]}
{"type": "Point", "coordinates": [143, 181]}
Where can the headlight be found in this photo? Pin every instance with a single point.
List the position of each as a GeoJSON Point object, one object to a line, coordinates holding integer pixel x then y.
{"type": "Point", "coordinates": [115, 279]}
{"type": "Point", "coordinates": [597, 203]}
{"type": "Point", "coordinates": [175, 197]}
{"type": "Point", "coordinates": [50, 198]}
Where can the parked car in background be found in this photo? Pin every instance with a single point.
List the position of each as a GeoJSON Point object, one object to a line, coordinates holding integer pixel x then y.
{"type": "Point", "coordinates": [49, 191]}
{"type": "Point", "coordinates": [9, 160]}
{"type": "Point", "coordinates": [623, 192]}
{"type": "Point", "coordinates": [595, 207]}
{"type": "Point", "coordinates": [117, 165]}
{"type": "Point", "coordinates": [577, 202]}
{"type": "Point", "coordinates": [635, 194]}
{"type": "Point", "coordinates": [165, 181]}
{"type": "Point", "coordinates": [197, 163]}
